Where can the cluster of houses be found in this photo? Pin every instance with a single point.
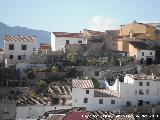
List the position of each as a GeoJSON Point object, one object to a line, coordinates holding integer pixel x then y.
{"type": "Point", "coordinates": [135, 39]}
{"type": "Point", "coordinates": [126, 95]}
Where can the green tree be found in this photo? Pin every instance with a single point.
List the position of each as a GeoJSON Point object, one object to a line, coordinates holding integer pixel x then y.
{"type": "Point", "coordinates": [71, 57]}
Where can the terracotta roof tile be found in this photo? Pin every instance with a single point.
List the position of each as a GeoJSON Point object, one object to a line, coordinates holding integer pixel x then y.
{"type": "Point", "coordinates": [82, 83]}
{"type": "Point", "coordinates": [105, 93]}
{"type": "Point", "coordinates": [71, 35]}
{"type": "Point", "coordinates": [19, 38]}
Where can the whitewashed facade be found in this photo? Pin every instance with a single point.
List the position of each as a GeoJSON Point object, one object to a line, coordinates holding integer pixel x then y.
{"type": "Point", "coordinates": [141, 52]}
{"type": "Point", "coordinates": [136, 90]}
{"type": "Point", "coordinates": [1, 56]}
{"type": "Point", "coordinates": [19, 48]}
{"type": "Point", "coordinates": [60, 39]}
{"type": "Point", "coordinates": [93, 99]}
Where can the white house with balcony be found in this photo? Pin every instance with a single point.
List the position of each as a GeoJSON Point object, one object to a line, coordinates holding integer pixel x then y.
{"type": "Point", "coordinates": [19, 48]}
{"type": "Point", "coordinates": [60, 39]}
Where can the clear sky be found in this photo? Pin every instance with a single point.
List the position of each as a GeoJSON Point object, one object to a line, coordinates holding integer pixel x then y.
{"type": "Point", "coordinates": [75, 15]}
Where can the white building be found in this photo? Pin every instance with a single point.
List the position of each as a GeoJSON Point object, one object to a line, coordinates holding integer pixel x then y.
{"type": "Point", "coordinates": [19, 48]}
{"type": "Point", "coordinates": [136, 90]}
{"type": "Point", "coordinates": [85, 95]}
{"type": "Point", "coordinates": [59, 39]}
{"type": "Point", "coordinates": [141, 51]}
{"type": "Point", "coordinates": [1, 55]}
{"type": "Point", "coordinates": [140, 89]}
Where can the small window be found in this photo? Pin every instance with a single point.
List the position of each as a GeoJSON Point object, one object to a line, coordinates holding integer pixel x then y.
{"type": "Point", "coordinates": [24, 47]}
{"type": "Point", "coordinates": [85, 100]}
{"type": "Point", "coordinates": [87, 91]}
{"type": "Point", "coordinates": [19, 57]}
{"type": "Point", "coordinates": [128, 103]}
{"type": "Point", "coordinates": [112, 101]}
{"type": "Point", "coordinates": [142, 53]}
{"type": "Point", "coordinates": [147, 83]}
{"type": "Point", "coordinates": [147, 102]}
{"type": "Point", "coordinates": [11, 57]}
{"type": "Point", "coordinates": [140, 83]}
{"type": "Point", "coordinates": [96, 73]}
{"type": "Point", "coordinates": [11, 47]}
{"type": "Point", "coordinates": [147, 91]}
{"type": "Point", "coordinates": [67, 41]}
{"type": "Point", "coordinates": [150, 53]}
{"type": "Point", "coordinates": [100, 101]}
{"type": "Point", "coordinates": [141, 92]}
{"type": "Point", "coordinates": [79, 41]}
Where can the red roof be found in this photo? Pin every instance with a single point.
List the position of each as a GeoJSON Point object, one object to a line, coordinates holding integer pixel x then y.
{"type": "Point", "coordinates": [65, 34]}
{"type": "Point", "coordinates": [79, 115]}
{"type": "Point", "coordinates": [19, 38]}
{"type": "Point", "coordinates": [45, 46]}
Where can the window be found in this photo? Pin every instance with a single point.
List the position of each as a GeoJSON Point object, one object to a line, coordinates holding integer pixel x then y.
{"type": "Point", "coordinates": [11, 47]}
{"type": "Point", "coordinates": [141, 92]}
{"type": "Point", "coordinates": [67, 41]}
{"type": "Point", "coordinates": [11, 57]}
{"type": "Point", "coordinates": [147, 91]}
{"type": "Point", "coordinates": [79, 41]}
{"type": "Point", "coordinates": [150, 53]}
{"type": "Point", "coordinates": [85, 100]}
{"type": "Point", "coordinates": [112, 101]}
{"type": "Point", "coordinates": [142, 53]}
{"type": "Point", "coordinates": [100, 101]}
{"type": "Point", "coordinates": [24, 47]}
{"type": "Point", "coordinates": [96, 73]}
{"type": "Point", "coordinates": [128, 103]}
{"type": "Point", "coordinates": [147, 102]}
{"type": "Point", "coordinates": [19, 57]}
{"type": "Point", "coordinates": [147, 83]}
{"type": "Point", "coordinates": [87, 91]}
{"type": "Point", "coordinates": [140, 83]}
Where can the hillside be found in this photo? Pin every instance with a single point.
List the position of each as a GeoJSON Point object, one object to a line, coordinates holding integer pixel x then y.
{"type": "Point", "coordinates": [42, 36]}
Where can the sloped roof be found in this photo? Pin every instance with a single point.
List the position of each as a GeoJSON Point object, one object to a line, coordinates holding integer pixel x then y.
{"type": "Point", "coordinates": [105, 93]}
{"type": "Point", "coordinates": [79, 115]}
{"type": "Point", "coordinates": [140, 45]}
{"type": "Point", "coordinates": [82, 83]}
{"type": "Point", "coordinates": [71, 35]}
{"type": "Point", "coordinates": [19, 38]}
{"type": "Point", "coordinates": [143, 77]}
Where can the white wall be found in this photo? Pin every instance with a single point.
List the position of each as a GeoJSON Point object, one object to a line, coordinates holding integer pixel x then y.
{"type": "Point", "coordinates": [1, 57]}
{"type": "Point", "coordinates": [17, 49]}
{"type": "Point", "coordinates": [53, 42]}
{"type": "Point", "coordinates": [129, 91]}
{"type": "Point", "coordinates": [58, 43]}
{"type": "Point", "coordinates": [35, 111]}
{"type": "Point", "coordinates": [78, 96]}
{"type": "Point", "coordinates": [146, 54]}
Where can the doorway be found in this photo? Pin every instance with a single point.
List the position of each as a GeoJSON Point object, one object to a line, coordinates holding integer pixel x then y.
{"type": "Point", "coordinates": [149, 61]}
{"type": "Point", "coordinates": [140, 102]}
